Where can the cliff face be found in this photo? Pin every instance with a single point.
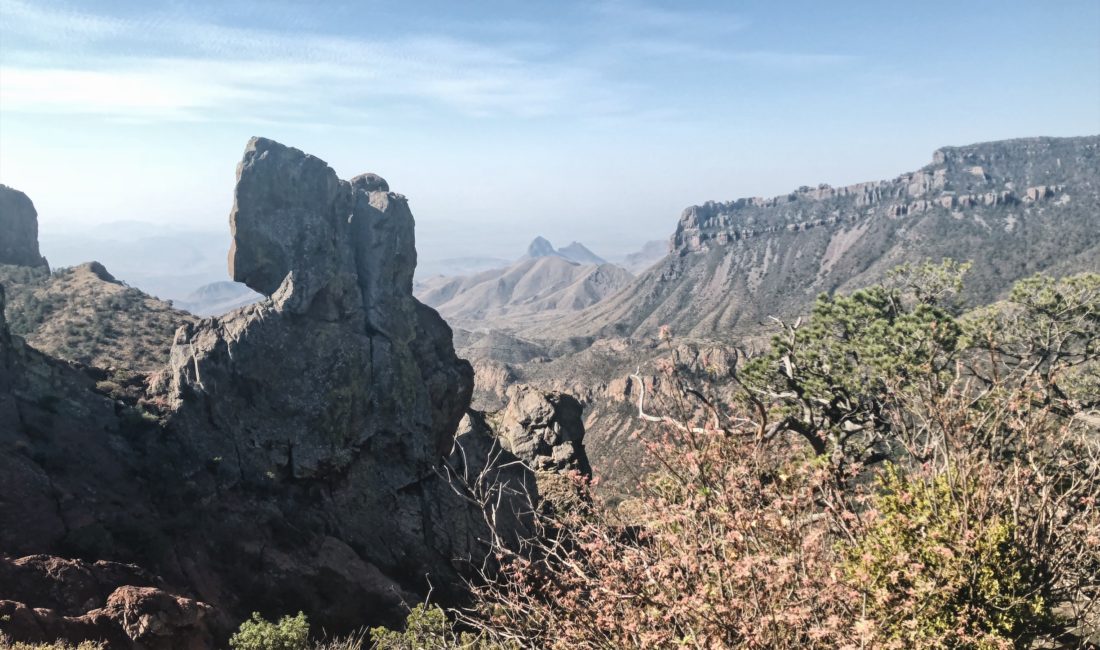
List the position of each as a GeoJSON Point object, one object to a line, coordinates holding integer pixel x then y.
{"type": "Point", "coordinates": [987, 175]}
{"type": "Point", "coordinates": [330, 405]}
{"type": "Point", "coordinates": [18, 230]}
{"type": "Point", "coordinates": [296, 454]}
{"type": "Point", "coordinates": [1014, 207]}
{"type": "Point", "coordinates": [348, 357]}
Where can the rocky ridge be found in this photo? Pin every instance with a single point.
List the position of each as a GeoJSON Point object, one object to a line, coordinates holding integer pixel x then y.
{"type": "Point", "coordinates": [1014, 207]}
{"type": "Point", "coordinates": [525, 292]}
{"type": "Point", "coordinates": [84, 314]}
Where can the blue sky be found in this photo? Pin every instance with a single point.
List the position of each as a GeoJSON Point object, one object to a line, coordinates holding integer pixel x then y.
{"type": "Point", "coordinates": [598, 121]}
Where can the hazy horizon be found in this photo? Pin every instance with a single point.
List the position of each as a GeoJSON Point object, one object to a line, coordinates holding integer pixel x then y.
{"type": "Point", "coordinates": [596, 122]}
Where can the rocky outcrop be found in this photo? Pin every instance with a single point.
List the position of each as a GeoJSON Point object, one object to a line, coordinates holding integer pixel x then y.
{"type": "Point", "coordinates": [317, 422]}
{"type": "Point", "coordinates": [297, 454]}
{"type": "Point", "coordinates": [45, 598]}
{"type": "Point", "coordinates": [544, 429]}
{"type": "Point", "coordinates": [18, 230]}
{"type": "Point", "coordinates": [349, 356]}
{"type": "Point", "coordinates": [540, 247]}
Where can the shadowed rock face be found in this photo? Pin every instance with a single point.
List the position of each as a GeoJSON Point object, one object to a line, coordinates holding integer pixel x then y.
{"type": "Point", "coordinates": [291, 455]}
{"type": "Point", "coordinates": [18, 229]}
{"type": "Point", "coordinates": [4, 334]}
{"type": "Point", "coordinates": [47, 598]}
{"type": "Point", "coordinates": [342, 356]}
{"type": "Point", "coordinates": [314, 424]}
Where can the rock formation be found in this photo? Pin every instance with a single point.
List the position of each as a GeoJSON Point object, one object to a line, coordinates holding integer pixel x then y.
{"type": "Point", "coordinates": [332, 404]}
{"type": "Point", "coordinates": [49, 599]}
{"type": "Point", "coordinates": [296, 454]}
{"type": "Point", "coordinates": [544, 430]}
{"type": "Point", "coordinates": [18, 230]}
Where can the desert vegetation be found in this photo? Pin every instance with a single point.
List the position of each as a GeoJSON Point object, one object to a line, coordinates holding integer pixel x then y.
{"type": "Point", "coordinates": [889, 473]}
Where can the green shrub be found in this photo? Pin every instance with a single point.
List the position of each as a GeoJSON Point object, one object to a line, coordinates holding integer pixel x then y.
{"type": "Point", "coordinates": [290, 633]}
{"type": "Point", "coordinates": [427, 627]}
{"type": "Point", "coordinates": [940, 574]}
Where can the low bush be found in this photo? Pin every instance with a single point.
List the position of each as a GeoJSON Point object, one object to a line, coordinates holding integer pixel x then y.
{"type": "Point", "coordinates": [289, 633]}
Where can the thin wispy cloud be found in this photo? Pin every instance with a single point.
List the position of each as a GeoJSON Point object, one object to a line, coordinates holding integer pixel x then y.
{"type": "Point", "coordinates": [193, 69]}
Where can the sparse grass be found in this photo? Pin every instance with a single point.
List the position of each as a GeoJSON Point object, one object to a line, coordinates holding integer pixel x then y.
{"type": "Point", "coordinates": [74, 315]}
{"type": "Point", "coordinates": [7, 644]}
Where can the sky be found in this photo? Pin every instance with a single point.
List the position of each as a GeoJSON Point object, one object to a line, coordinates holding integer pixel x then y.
{"type": "Point", "coordinates": [597, 121]}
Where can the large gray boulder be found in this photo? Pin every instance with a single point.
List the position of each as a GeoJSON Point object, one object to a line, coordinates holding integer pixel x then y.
{"type": "Point", "coordinates": [18, 229]}
{"type": "Point", "coordinates": [544, 429]}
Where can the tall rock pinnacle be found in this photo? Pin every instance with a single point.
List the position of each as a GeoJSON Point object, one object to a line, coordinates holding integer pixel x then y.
{"type": "Point", "coordinates": [333, 403]}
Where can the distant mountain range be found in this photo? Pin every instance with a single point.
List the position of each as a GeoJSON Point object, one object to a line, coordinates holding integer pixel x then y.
{"type": "Point", "coordinates": [651, 253]}
{"type": "Point", "coordinates": [574, 252]}
{"type": "Point", "coordinates": [218, 298]}
{"type": "Point", "coordinates": [1014, 207]}
{"type": "Point", "coordinates": [544, 282]}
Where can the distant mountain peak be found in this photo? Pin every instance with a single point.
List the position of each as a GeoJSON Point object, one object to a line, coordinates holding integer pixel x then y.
{"type": "Point", "coordinates": [578, 252]}
{"type": "Point", "coordinates": [540, 247]}
{"type": "Point", "coordinates": [574, 252]}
